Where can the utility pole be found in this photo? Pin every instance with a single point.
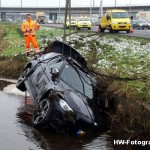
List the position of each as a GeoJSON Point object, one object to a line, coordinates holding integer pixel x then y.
{"type": "Point", "coordinates": [130, 8]}
{"type": "Point", "coordinates": [101, 9]}
{"type": "Point", "coordinates": [93, 3]}
{"type": "Point", "coordinates": [90, 8]}
{"type": "Point", "coordinates": [67, 7]}
{"type": "Point", "coordinates": [21, 3]}
{"type": "Point", "coordinates": [59, 9]}
{"type": "Point", "coordinates": [0, 3]}
{"type": "Point", "coordinates": [115, 3]}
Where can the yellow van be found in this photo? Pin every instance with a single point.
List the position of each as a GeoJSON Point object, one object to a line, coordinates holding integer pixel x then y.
{"type": "Point", "coordinates": [83, 22]}
{"type": "Point", "coordinates": [115, 20]}
{"type": "Point", "coordinates": [72, 23]}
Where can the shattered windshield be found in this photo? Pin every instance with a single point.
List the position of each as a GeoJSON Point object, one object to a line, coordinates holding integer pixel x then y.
{"type": "Point", "coordinates": [78, 80]}
{"type": "Point", "coordinates": [120, 15]}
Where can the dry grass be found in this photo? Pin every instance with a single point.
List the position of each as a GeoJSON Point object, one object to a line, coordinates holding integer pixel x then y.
{"type": "Point", "coordinates": [2, 42]}
{"type": "Point", "coordinates": [11, 68]}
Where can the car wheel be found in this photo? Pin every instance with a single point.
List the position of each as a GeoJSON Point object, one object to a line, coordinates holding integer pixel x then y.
{"type": "Point", "coordinates": [89, 28]}
{"type": "Point", "coordinates": [41, 115]}
{"type": "Point", "coordinates": [20, 85]}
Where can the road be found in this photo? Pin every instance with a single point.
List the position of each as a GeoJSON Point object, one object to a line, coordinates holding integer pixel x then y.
{"type": "Point", "coordinates": [136, 33]}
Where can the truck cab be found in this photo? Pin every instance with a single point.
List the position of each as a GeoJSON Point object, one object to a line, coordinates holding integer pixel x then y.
{"type": "Point", "coordinates": [41, 17]}
{"type": "Point", "coordinates": [115, 20]}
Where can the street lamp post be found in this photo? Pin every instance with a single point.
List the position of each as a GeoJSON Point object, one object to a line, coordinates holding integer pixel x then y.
{"type": "Point", "coordinates": [59, 9]}
{"type": "Point", "coordinates": [21, 3]}
{"type": "Point", "coordinates": [115, 3]}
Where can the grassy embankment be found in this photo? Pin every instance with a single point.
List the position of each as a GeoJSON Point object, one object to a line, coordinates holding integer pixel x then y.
{"type": "Point", "coordinates": [122, 64]}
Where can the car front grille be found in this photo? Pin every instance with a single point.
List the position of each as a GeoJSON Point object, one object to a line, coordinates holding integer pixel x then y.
{"type": "Point", "coordinates": [122, 22]}
{"type": "Point", "coordinates": [122, 26]}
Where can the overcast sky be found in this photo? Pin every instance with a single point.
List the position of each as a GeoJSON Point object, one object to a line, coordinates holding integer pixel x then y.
{"type": "Point", "coordinates": [55, 3]}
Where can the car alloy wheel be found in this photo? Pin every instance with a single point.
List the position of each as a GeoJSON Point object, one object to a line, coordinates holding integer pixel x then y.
{"type": "Point", "coordinates": [41, 115]}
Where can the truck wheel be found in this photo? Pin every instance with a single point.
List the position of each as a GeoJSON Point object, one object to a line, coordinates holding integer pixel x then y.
{"type": "Point", "coordinates": [101, 29]}
{"type": "Point", "coordinates": [110, 30]}
{"type": "Point", "coordinates": [128, 31]}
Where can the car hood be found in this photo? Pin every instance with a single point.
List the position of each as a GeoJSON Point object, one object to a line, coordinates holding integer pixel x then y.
{"type": "Point", "coordinates": [144, 23]}
{"type": "Point", "coordinates": [79, 104]}
{"type": "Point", "coordinates": [121, 19]}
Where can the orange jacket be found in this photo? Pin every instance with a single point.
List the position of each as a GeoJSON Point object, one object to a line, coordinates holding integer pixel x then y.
{"type": "Point", "coordinates": [29, 27]}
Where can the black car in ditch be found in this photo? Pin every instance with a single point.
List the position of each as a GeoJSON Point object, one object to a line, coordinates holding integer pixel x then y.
{"type": "Point", "coordinates": [65, 94]}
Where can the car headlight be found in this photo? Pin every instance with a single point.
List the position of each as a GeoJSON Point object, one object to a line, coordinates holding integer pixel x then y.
{"type": "Point", "coordinates": [129, 22]}
{"type": "Point", "coordinates": [64, 105]}
{"type": "Point", "coordinates": [113, 22]}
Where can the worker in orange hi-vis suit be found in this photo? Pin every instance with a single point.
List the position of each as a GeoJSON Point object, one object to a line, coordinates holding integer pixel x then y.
{"type": "Point", "coordinates": [29, 28]}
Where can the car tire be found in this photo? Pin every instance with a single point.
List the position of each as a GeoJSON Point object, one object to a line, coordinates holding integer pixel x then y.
{"type": "Point", "coordinates": [78, 28]}
{"type": "Point", "coordinates": [89, 28]}
{"type": "Point", "coordinates": [139, 28]}
{"type": "Point", "coordinates": [42, 114]}
{"type": "Point", "coordinates": [20, 85]}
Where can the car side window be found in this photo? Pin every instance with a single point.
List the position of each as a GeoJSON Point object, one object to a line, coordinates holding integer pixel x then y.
{"type": "Point", "coordinates": [71, 77]}
{"type": "Point", "coordinates": [56, 63]}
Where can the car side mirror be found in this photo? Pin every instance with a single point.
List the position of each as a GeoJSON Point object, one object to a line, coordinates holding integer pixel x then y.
{"type": "Point", "coordinates": [54, 71]}
{"type": "Point", "coordinates": [55, 74]}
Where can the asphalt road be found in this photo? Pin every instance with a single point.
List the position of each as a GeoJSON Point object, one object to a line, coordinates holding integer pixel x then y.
{"type": "Point", "coordinates": [136, 33]}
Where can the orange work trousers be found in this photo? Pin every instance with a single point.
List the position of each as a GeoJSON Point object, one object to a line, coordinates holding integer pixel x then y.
{"type": "Point", "coordinates": [31, 39]}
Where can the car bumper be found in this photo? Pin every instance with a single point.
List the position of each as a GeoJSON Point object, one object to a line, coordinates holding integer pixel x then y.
{"type": "Point", "coordinates": [84, 26]}
{"type": "Point", "coordinates": [121, 27]}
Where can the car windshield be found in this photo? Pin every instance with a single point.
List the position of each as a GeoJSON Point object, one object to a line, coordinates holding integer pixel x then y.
{"type": "Point", "coordinates": [77, 80]}
{"type": "Point", "coordinates": [120, 15]}
{"type": "Point", "coordinates": [71, 19]}
{"type": "Point", "coordinates": [142, 21]}
{"type": "Point", "coordinates": [41, 17]}
{"type": "Point", "coordinates": [84, 19]}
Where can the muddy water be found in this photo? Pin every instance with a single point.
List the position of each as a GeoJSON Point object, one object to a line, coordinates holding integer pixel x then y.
{"type": "Point", "coordinates": [17, 133]}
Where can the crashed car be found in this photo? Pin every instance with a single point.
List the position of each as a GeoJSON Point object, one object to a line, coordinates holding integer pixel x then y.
{"type": "Point", "coordinates": [66, 95]}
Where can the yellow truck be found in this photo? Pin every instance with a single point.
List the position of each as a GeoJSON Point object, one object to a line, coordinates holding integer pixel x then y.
{"type": "Point", "coordinates": [115, 20]}
{"type": "Point", "coordinates": [41, 17]}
